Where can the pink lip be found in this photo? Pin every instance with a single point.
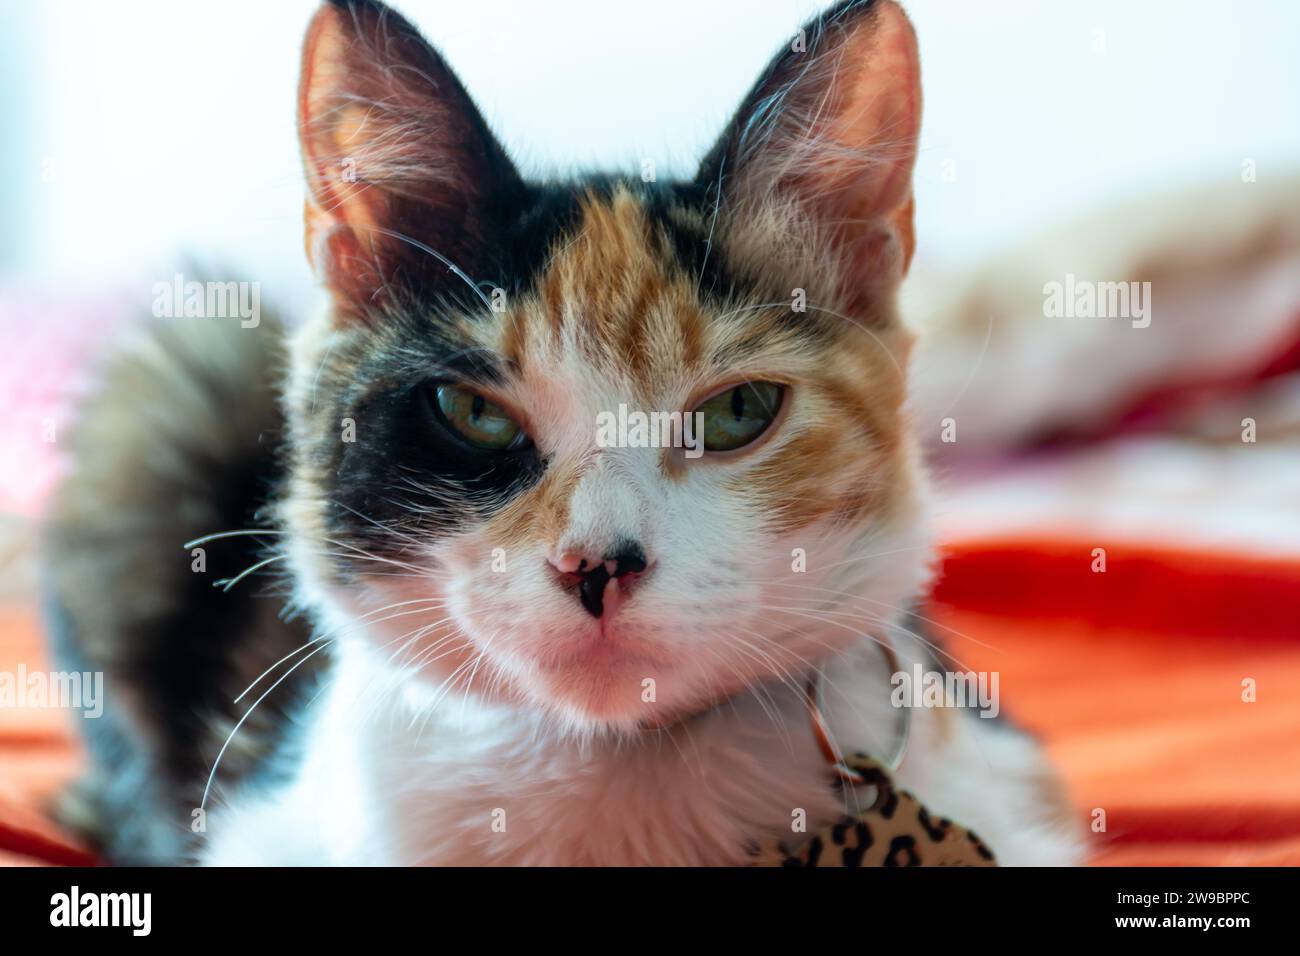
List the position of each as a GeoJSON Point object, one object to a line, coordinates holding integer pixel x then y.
{"type": "Point", "coordinates": [613, 598]}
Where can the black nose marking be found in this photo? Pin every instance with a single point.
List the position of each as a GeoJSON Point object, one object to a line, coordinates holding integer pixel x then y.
{"type": "Point", "coordinates": [628, 558]}
{"type": "Point", "coordinates": [592, 590]}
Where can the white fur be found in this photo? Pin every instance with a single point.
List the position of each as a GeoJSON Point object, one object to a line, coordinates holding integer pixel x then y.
{"type": "Point", "coordinates": [374, 788]}
{"type": "Point", "coordinates": [392, 774]}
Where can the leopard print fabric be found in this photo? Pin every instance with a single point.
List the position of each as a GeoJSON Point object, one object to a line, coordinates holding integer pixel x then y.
{"type": "Point", "coordinates": [896, 830]}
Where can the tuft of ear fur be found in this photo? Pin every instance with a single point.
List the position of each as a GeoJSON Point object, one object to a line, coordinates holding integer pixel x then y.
{"type": "Point", "coordinates": [822, 148]}
{"type": "Point", "coordinates": [406, 181]}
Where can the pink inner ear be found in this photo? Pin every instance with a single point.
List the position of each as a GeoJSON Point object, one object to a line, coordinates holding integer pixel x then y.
{"type": "Point", "coordinates": [834, 130]}
{"type": "Point", "coordinates": [879, 115]}
{"type": "Point", "coordinates": [343, 214]}
{"type": "Point", "coordinates": [396, 155]}
{"type": "Point", "coordinates": [320, 66]}
{"type": "Point", "coordinates": [320, 69]}
{"type": "Point", "coordinates": [347, 267]}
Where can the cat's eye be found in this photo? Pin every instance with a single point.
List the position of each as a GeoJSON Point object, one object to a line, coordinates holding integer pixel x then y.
{"type": "Point", "coordinates": [477, 421]}
{"type": "Point", "coordinates": [734, 418]}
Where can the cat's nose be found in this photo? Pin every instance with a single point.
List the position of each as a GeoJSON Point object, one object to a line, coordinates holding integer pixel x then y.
{"type": "Point", "coordinates": [601, 576]}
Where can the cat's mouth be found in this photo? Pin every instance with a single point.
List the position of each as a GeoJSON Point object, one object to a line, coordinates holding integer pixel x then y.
{"type": "Point", "coordinates": [607, 676]}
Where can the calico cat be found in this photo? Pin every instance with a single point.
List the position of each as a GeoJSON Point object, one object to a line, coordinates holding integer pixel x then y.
{"type": "Point", "coordinates": [454, 628]}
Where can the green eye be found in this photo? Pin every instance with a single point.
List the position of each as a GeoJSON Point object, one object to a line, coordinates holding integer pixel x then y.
{"type": "Point", "coordinates": [476, 421]}
{"type": "Point", "coordinates": [734, 418]}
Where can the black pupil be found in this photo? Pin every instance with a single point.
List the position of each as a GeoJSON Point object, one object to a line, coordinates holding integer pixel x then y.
{"type": "Point", "coordinates": [738, 403]}
{"type": "Point", "coordinates": [476, 408]}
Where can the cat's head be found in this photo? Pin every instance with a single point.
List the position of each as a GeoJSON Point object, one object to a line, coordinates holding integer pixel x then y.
{"type": "Point", "coordinates": [462, 492]}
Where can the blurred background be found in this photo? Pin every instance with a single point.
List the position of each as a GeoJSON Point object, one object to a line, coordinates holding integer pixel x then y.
{"type": "Point", "coordinates": [136, 129]}
{"type": "Point", "coordinates": [1115, 141]}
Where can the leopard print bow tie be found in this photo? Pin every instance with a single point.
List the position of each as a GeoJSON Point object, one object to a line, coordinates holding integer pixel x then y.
{"type": "Point", "coordinates": [895, 830]}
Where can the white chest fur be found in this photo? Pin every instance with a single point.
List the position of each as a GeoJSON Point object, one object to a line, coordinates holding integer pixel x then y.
{"type": "Point", "coordinates": [471, 784]}
{"type": "Point", "coordinates": [382, 783]}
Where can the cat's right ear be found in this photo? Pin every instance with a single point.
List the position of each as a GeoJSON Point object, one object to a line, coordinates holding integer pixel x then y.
{"type": "Point", "coordinates": [827, 138]}
{"type": "Point", "coordinates": [405, 180]}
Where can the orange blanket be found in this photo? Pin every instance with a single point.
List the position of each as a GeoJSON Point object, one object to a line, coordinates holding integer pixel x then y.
{"type": "Point", "coordinates": [38, 752]}
{"type": "Point", "coordinates": [1134, 679]}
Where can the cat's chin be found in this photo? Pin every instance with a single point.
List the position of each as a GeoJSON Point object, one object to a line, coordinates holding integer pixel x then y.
{"type": "Point", "coordinates": [597, 716]}
{"type": "Point", "coordinates": [594, 690]}
{"type": "Point", "coordinates": [602, 687]}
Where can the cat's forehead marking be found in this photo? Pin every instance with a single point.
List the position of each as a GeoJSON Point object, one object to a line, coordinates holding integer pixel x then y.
{"type": "Point", "coordinates": [618, 312]}
{"type": "Point", "coordinates": [614, 293]}
{"type": "Point", "coordinates": [637, 296]}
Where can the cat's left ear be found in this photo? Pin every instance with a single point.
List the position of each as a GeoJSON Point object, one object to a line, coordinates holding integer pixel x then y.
{"type": "Point", "coordinates": [406, 182]}
{"type": "Point", "coordinates": [827, 138]}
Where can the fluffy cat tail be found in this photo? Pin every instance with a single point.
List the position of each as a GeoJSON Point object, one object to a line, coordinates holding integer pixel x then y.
{"type": "Point", "coordinates": [177, 440]}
